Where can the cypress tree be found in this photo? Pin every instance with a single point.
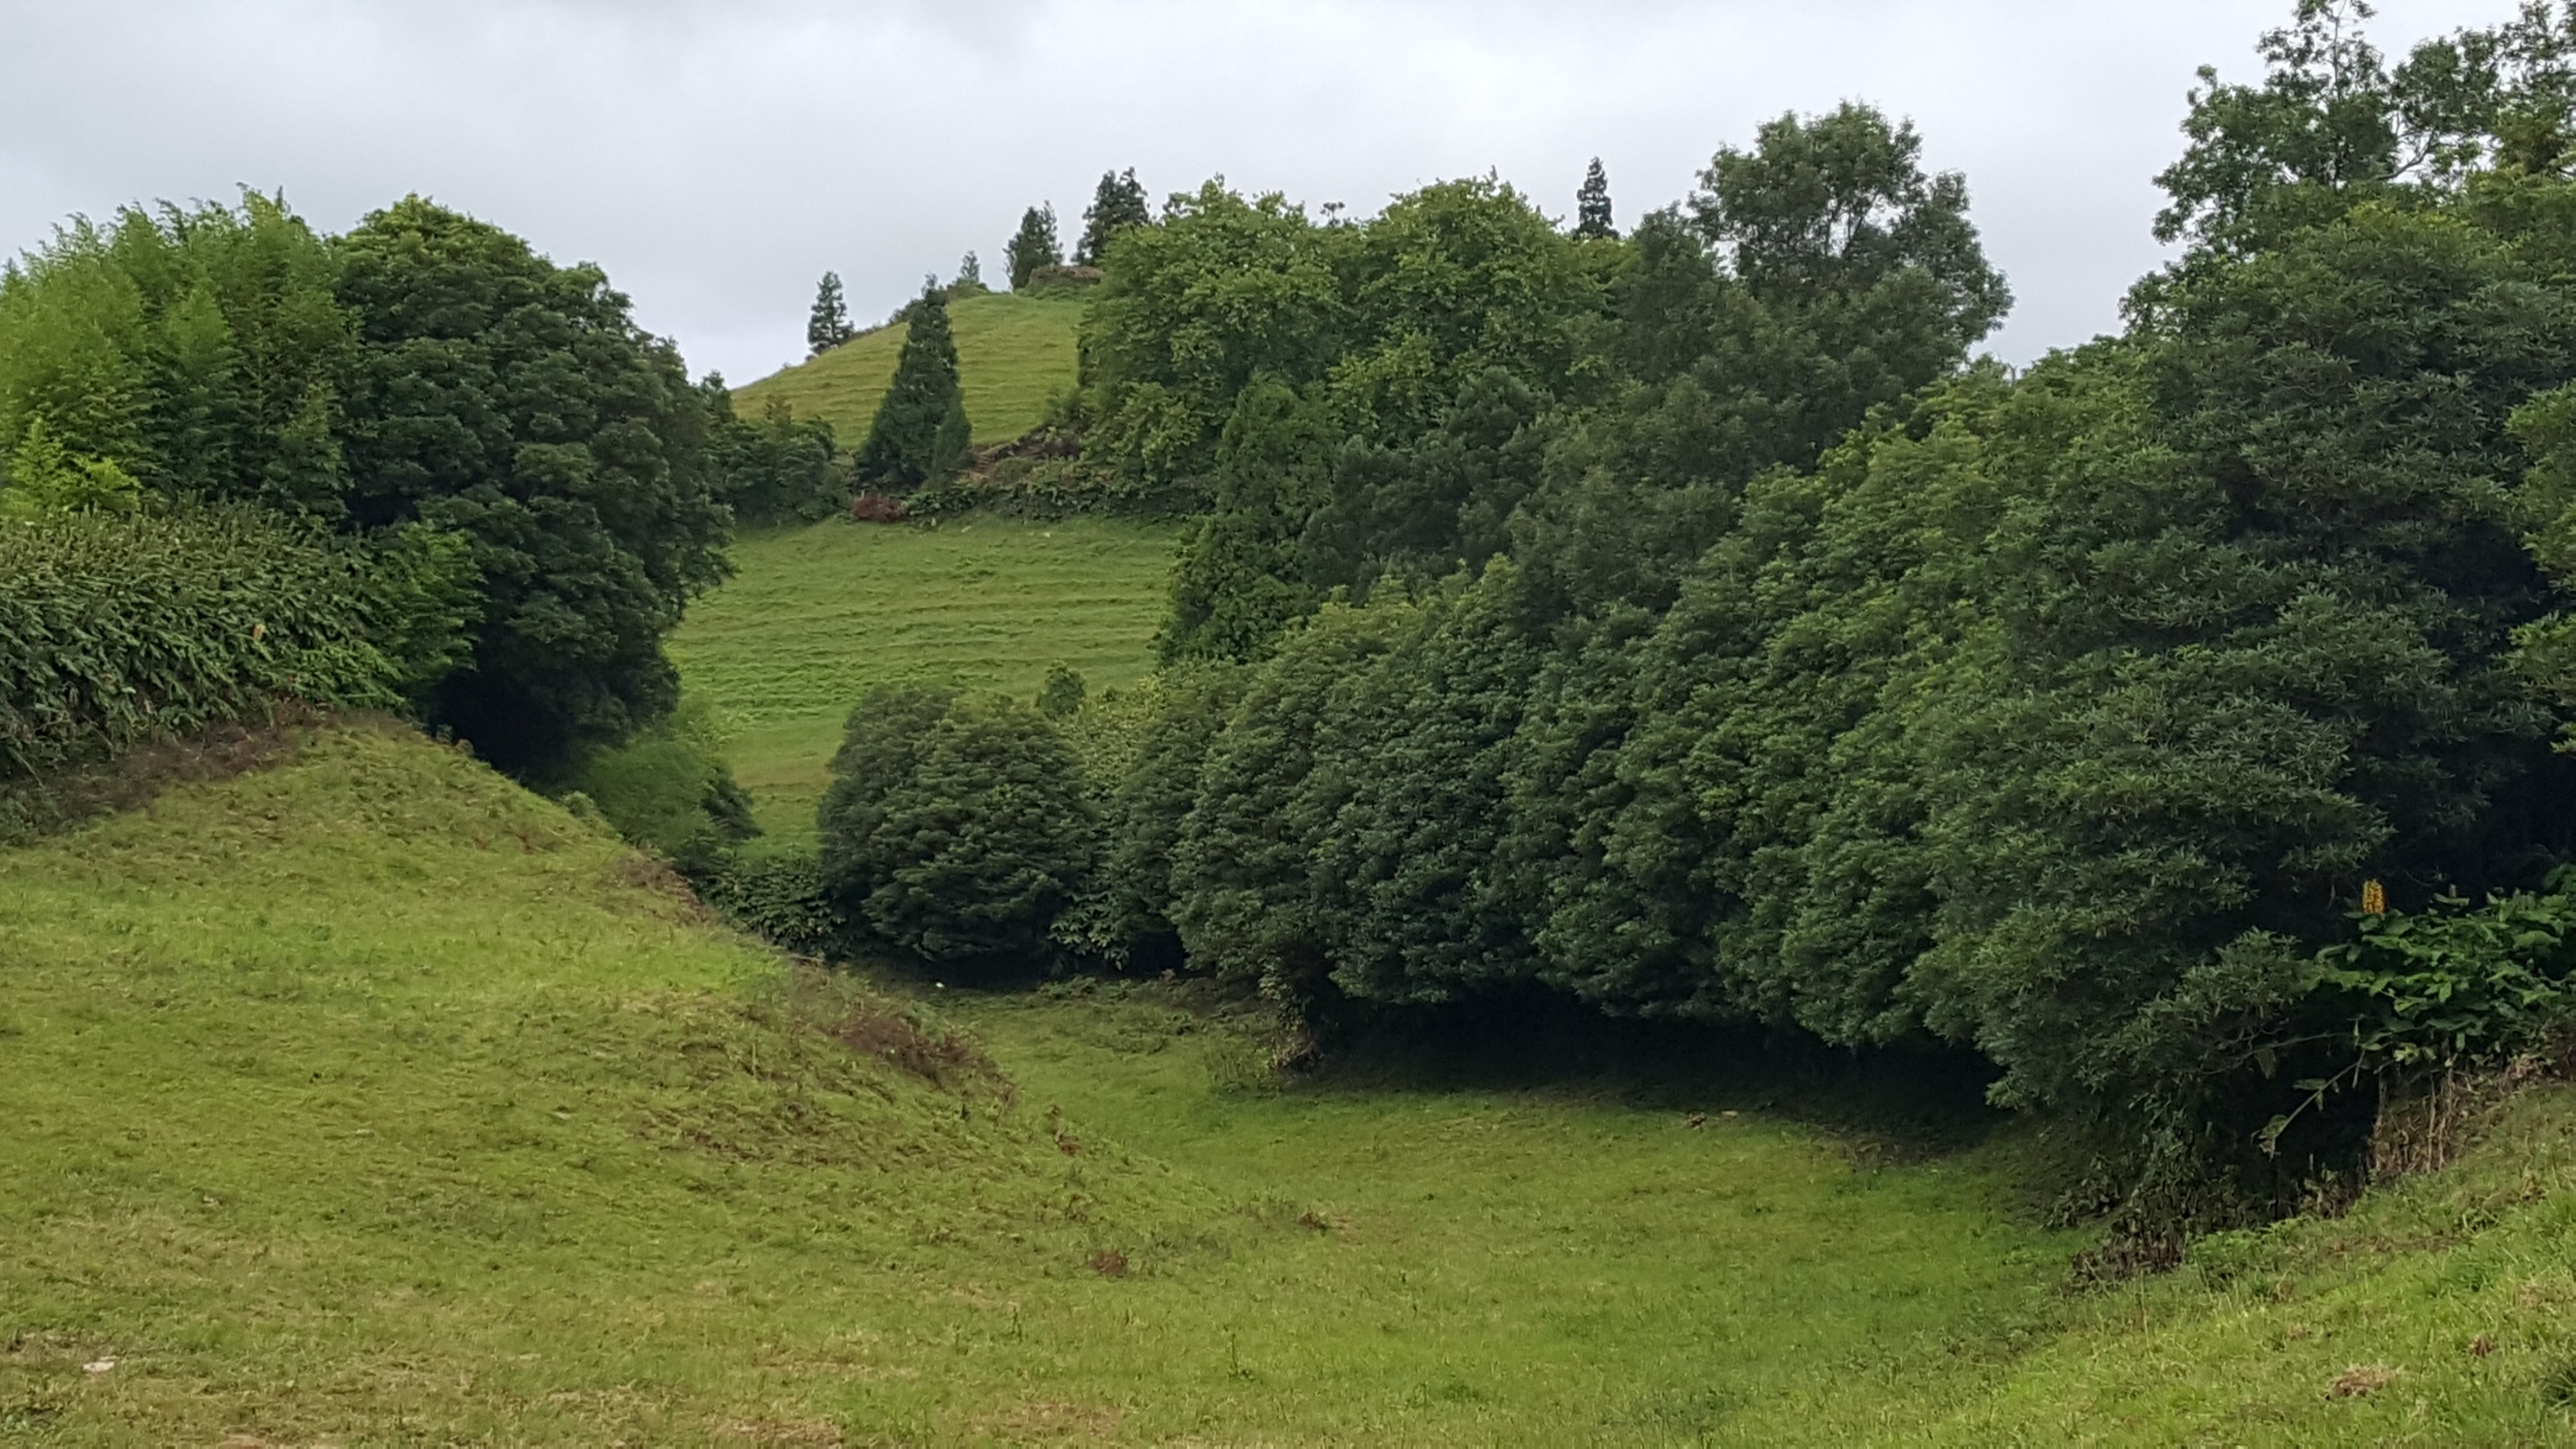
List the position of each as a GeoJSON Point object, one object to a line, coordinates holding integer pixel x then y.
{"type": "Point", "coordinates": [920, 434]}
{"type": "Point", "coordinates": [829, 325]}
{"type": "Point", "coordinates": [1035, 245]}
{"type": "Point", "coordinates": [1117, 205]}
{"type": "Point", "coordinates": [1592, 204]}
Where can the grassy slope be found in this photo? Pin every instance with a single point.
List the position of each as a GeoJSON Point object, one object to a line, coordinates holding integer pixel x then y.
{"type": "Point", "coordinates": [368, 1099]}
{"type": "Point", "coordinates": [2456, 1292]}
{"type": "Point", "coordinates": [818, 615]}
{"type": "Point", "coordinates": [1013, 354]}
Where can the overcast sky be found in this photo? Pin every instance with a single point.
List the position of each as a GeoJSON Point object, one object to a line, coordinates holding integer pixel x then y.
{"type": "Point", "coordinates": [717, 157]}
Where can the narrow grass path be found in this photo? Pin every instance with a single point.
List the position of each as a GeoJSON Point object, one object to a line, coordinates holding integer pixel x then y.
{"type": "Point", "coordinates": [814, 617]}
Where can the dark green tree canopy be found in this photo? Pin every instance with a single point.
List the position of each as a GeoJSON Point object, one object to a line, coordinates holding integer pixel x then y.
{"type": "Point", "coordinates": [1835, 218]}
{"type": "Point", "coordinates": [1117, 205]}
{"type": "Point", "coordinates": [920, 434]}
{"type": "Point", "coordinates": [499, 396]}
{"type": "Point", "coordinates": [2333, 124]}
{"type": "Point", "coordinates": [1033, 246]}
{"type": "Point", "coordinates": [829, 324]}
{"type": "Point", "coordinates": [956, 828]}
{"type": "Point", "coordinates": [426, 371]}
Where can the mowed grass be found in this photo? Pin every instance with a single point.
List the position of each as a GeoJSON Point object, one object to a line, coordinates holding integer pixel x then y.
{"type": "Point", "coordinates": [369, 1099]}
{"type": "Point", "coordinates": [815, 617]}
{"type": "Point", "coordinates": [1014, 354]}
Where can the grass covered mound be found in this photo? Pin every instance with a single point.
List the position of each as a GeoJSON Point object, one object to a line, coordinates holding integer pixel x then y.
{"type": "Point", "coordinates": [371, 1097]}
{"type": "Point", "coordinates": [1013, 354]}
{"type": "Point", "coordinates": [815, 617]}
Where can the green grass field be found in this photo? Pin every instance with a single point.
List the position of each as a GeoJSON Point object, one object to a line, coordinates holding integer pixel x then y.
{"type": "Point", "coordinates": [368, 1099]}
{"type": "Point", "coordinates": [1013, 355]}
{"type": "Point", "coordinates": [816, 616]}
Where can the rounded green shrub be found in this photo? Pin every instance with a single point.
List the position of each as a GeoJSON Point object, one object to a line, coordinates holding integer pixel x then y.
{"type": "Point", "coordinates": [956, 827]}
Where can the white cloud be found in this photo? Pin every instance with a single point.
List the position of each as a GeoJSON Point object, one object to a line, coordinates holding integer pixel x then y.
{"type": "Point", "coordinates": [717, 157]}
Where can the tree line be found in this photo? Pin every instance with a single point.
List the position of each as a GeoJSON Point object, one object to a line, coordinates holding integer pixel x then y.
{"type": "Point", "coordinates": [1687, 624]}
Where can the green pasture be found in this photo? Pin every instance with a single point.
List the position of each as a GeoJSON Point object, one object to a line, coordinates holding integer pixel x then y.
{"type": "Point", "coordinates": [368, 1099]}
{"type": "Point", "coordinates": [814, 617]}
{"type": "Point", "coordinates": [1013, 355]}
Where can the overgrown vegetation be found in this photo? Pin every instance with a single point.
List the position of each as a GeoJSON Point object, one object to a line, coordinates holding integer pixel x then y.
{"type": "Point", "coordinates": [115, 631]}
{"type": "Point", "coordinates": [424, 383]}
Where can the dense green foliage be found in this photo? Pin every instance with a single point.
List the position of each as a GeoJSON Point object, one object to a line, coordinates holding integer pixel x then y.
{"type": "Point", "coordinates": [2459, 988]}
{"type": "Point", "coordinates": [119, 630]}
{"type": "Point", "coordinates": [1117, 205]}
{"type": "Point", "coordinates": [424, 370]}
{"type": "Point", "coordinates": [778, 469]}
{"type": "Point", "coordinates": [920, 434]}
{"type": "Point", "coordinates": [1033, 246]}
{"type": "Point", "coordinates": [1685, 626]}
{"type": "Point", "coordinates": [956, 827]}
{"type": "Point", "coordinates": [1380, 400]}
{"type": "Point", "coordinates": [515, 402]}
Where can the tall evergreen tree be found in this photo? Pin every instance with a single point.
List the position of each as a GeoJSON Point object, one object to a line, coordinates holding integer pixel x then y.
{"type": "Point", "coordinates": [1034, 246]}
{"type": "Point", "coordinates": [1592, 205]}
{"type": "Point", "coordinates": [970, 273]}
{"type": "Point", "coordinates": [1118, 204]}
{"type": "Point", "coordinates": [920, 434]}
{"type": "Point", "coordinates": [829, 325]}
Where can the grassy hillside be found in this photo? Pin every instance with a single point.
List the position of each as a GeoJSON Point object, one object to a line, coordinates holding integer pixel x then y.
{"type": "Point", "coordinates": [1013, 354]}
{"type": "Point", "coordinates": [368, 1099]}
{"type": "Point", "coordinates": [815, 616]}
{"type": "Point", "coordinates": [372, 1099]}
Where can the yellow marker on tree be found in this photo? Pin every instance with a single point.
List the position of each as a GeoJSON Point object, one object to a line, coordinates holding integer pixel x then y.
{"type": "Point", "coordinates": [2374, 898]}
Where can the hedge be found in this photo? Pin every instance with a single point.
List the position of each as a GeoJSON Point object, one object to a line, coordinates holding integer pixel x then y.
{"type": "Point", "coordinates": [116, 630]}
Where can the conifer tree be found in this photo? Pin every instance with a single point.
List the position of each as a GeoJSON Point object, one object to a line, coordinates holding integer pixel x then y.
{"type": "Point", "coordinates": [1035, 246]}
{"type": "Point", "coordinates": [920, 434]}
{"type": "Point", "coordinates": [1592, 204]}
{"type": "Point", "coordinates": [1118, 204]}
{"type": "Point", "coordinates": [829, 326]}
{"type": "Point", "coordinates": [970, 273]}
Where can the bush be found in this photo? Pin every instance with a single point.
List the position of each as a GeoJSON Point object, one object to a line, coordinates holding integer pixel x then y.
{"type": "Point", "coordinates": [778, 895]}
{"type": "Point", "coordinates": [779, 469]}
{"type": "Point", "coordinates": [2461, 986]}
{"type": "Point", "coordinates": [956, 828]}
{"type": "Point", "coordinates": [669, 791]}
{"type": "Point", "coordinates": [116, 630]}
